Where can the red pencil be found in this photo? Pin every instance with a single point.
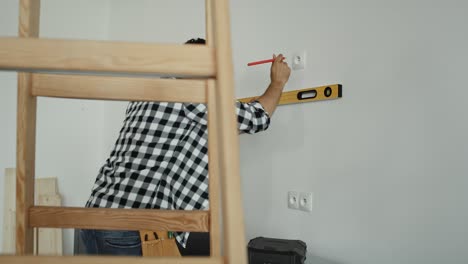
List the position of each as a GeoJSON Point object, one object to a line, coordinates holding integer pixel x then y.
{"type": "Point", "coordinates": [261, 62]}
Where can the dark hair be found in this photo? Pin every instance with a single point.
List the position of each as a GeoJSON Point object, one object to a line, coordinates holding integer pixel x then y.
{"type": "Point", "coordinates": [196, 41]}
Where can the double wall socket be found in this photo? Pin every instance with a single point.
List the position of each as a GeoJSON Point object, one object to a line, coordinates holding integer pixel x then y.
{"type": "Point", "coordinates": [300, 201]}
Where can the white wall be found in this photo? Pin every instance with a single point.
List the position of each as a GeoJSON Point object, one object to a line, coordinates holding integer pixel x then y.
{"type": "Point", "coordinates": [385, 162]}
{"type": "Point", "coordinates": [69, 132]}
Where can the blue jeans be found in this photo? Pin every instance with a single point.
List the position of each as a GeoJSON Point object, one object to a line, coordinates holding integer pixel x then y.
{"type": "Point", "coordinates": [107, 242]}
{"type": "Point", "coordinates": [128, 243]}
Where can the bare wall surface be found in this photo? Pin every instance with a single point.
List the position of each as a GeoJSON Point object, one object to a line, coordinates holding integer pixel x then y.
{"type": "Point", "coordinates": [387, 162]}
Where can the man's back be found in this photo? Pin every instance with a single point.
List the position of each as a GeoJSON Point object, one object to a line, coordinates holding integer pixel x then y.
{"type": "Point", "coordinates": [160, 159]}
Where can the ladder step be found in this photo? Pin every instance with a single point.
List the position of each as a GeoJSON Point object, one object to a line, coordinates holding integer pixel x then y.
{"type": "Point", "coordinates": [119, 88]}
{"type": "Point", "coordinates": [29, 54]}
{"type": "Point", "coordinates": [118, 219]}
{"type": "Point", "coordinates": [113, 260]}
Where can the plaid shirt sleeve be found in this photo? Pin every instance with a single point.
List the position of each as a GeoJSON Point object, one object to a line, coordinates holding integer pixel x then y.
{"type": "Point", "coordinates": [251, 117]}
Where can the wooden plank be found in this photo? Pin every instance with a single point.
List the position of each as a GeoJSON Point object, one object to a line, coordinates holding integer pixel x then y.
{"type": "Point", "coordinates": [29, 17]}
{"type": "Point", "coordinates": [119, 219]}
{"type": "Point", "coordinates": [233, 220]}
{"type": "Point", "coordinates": [53, 200]}
{"type": "Point", "coordinates": [9, 228]}
{"type": "Point", "coordinates": [26, 133]}
{"type": "Point", "coordinates": [327, 92]}
{"type": "Point", "coordinates": [106, 260]}
{"type": "Point", "coordinates": [49, 240]}
{"type": "Point", "coordinates": [213, 152]}
{"type": "Point", "coordinates": [46, 186]}
{"type": "Point", "coordinates": [106, 56]}
{"type": "Point", "coordinates": [119, 88]}
{"type": "Point", "coordinates": [209, 23]}
{"type": "Point", "coordinates": [9, 212]}
{"type": "Point", "coordinates": [213, 155]}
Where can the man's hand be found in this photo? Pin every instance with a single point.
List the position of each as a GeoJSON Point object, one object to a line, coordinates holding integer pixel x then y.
{"type": "Point", "coordinates": [279, 74]}
{"type": "Point", "coordinates": [280, 71]}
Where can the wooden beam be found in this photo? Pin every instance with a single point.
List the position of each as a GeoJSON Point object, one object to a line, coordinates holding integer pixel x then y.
{"type": "Point", "coordinates": [327, 92]}
{"type": "Point", "coordinates": [49, 241]}
{"type": "Point", "coordinates": [119, 219]}
{"type": "Point", "coordinates": [233, 215]}
{"type": "Point", "coordinates": [209, 28]}
{"type": "Point", "coordinates": [9, 215]}
{"type": "Point", "coordinates": [106, 260]}
{"type": "Point", "coordinates": [119, 88]}
{"type": "Point", "coordinates": [46, 186]}
{"type": "Point", "coordinates": [29, 18]}
{"type": "Point", "coordinates": [214, 186]}
{"type": "Point", "coordinates": [213, 152]}
{"type": "Point", "coordinates": [106, 56]}
{"type": "Point", "coordinates": [26, 133]}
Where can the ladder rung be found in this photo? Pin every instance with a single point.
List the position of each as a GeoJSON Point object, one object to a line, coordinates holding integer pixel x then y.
{"type": "Point", "coordinates": [105, 56]}
{"type": "Point", "coordinates": [118, 219]}
{"type": "Point", "coordinates": [113, 260]}
{"type": "Point", "coordinates": [119, 88]}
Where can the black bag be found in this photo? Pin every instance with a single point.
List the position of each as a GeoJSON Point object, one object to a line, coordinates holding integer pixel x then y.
{"type": "Point", "coordinates": [263, 250]}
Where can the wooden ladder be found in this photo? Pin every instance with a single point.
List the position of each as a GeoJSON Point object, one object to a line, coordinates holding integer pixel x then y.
{"type": "Point", "coordinates": [211, 81]}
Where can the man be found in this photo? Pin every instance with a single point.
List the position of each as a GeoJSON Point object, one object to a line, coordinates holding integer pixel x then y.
{"type": "Point", "coordinates": [160, 161]}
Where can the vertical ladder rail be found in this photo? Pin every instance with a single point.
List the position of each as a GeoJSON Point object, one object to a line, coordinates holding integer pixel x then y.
{"type": "Point", "coordinates": [233, 220]}
{"type": "Point", "coordinates": [213, 141]}
{"type": "Point", "coordinates": [26, 134]}
{"type": "Point", "coordinates": [214, 186]}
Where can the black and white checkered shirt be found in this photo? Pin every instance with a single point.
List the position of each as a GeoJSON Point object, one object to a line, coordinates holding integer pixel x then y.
{"type": "Point", "coordinates": [160, 159]}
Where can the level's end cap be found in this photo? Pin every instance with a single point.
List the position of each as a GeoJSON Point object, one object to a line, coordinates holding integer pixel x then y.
{"type": "Point", "coordinates": [340, 88]}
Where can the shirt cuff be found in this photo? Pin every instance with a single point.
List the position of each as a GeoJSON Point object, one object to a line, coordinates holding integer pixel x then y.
{"type": "Point", "coordinates": [259, 105]}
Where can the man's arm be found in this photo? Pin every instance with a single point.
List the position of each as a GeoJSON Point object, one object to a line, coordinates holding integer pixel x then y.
{"type": "Point", "coordinates": [279, 75]}
{"type": "Point", "coordinates": [255, 116]}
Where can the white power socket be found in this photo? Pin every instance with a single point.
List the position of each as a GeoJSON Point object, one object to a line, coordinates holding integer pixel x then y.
{"type": "Point", "coordinates": [298, 60]}
{"type": "Point", "coordinates": [305, 202]}
{"type": "Point", "coordinates": [293, 200]}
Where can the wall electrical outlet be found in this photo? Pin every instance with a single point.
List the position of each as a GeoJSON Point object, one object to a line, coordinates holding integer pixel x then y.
{"type": "Point", "coordinates": [293, 200]}
{"type": "Point", "coordinates": [298, 60]}
{"type": "Point", "coordinates": [305, 202]}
